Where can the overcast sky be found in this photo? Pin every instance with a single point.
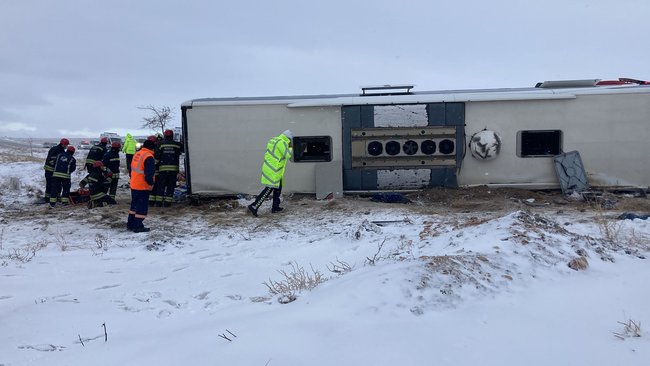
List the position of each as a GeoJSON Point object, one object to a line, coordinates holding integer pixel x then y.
{"type": "Point", "coordinates": [75, 68]}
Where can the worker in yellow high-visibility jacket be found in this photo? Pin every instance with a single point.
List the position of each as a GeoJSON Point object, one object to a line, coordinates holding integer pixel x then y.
{"type": "Point", "coordinates": [279, 150]}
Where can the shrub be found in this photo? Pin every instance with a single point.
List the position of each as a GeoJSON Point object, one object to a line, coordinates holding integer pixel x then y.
{"type": "Point", "coordinates": [295, 280]}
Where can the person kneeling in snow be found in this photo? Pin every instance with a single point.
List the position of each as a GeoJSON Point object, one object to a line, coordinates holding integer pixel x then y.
{"type": "Point", "coordinates": [98, 181]}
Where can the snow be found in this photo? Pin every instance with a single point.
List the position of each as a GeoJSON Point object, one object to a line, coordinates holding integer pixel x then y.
{"type": "Point", "coordinates": [447, 287]}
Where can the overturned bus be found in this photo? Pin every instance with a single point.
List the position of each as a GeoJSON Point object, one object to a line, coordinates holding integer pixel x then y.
{"type": "Point", "coordinates": [392, 138]}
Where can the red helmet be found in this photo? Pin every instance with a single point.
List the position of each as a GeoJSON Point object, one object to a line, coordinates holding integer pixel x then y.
{"type": "Point", "coordinates": [104, 140]}
{"type": "Point", "coordinates": [116, 144]}
{"type": "Point", "coordinates": [152, 138]}
{"type": "Point", "coordinates": [71, 149]}
{"type": "Point", "coordinates": [64, 142]}
{"type": "Point", "coordinates": [98, 164]}
{"type": "Point", "coordinates": [169, 133]}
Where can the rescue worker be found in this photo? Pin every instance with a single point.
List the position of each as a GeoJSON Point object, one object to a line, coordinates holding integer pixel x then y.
{"type": "Point", "coordinates": [96, 153]}
{"type": "Point", "coordinates": [167, 155]}
{"type": "Point", "coordinates": [111, 161]}
{"type": "Point", "coordinates": [129, 149]}
{"type": "Point", "coordinates": [65, 165]}
{"type": "Point", "coordinates": [50, 162]}
{"type": "Point", "coordinates": [278, 152]}
{"type": "Point", "coordinates": [98, 181]}
{"type": "Point", "coordinates": [153, 196]}
{"type": "Point", "coordinates": [143, 169]}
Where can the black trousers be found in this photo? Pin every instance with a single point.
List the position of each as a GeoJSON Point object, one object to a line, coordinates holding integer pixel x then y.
{"type": "Point", "coordinates": [129, 159]}
{"type": "Point", "coordinates": [48, 185]}
{"type": "Point", "coordinates": [139, 208]}
{"type": "Point", "coordinates": [266, 192]}
{"type": "Point", "coordinates": [57, 185]}
{"type": "Point", "coordinates": [112, 190]}
{"type": "Point", "coordinates": [166, 187]}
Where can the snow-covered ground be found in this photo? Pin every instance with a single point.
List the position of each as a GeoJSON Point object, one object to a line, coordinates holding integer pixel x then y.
{"type": "Point", "coordinates": [458, 281]}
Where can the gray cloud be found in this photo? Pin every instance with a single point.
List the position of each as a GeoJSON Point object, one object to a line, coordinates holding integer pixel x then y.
{"type": "Point", "coordinates": [80, 67]}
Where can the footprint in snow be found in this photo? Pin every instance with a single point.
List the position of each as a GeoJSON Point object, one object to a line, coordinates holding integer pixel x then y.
{"type": "Point", "coordinates": [156, 280]}
{"type": "Point", "coordinates": [107, 287]}
{"type": "Point", "coordinates": [164, 314]}
{"type": "Point", "coordinates": [43, 347]}
{"type": "Point", "coordinates": [201, 296]}
{"type": "Point", "coordinates": [175, 304]}
{"type": "Point", "coordinates": [5, 297]}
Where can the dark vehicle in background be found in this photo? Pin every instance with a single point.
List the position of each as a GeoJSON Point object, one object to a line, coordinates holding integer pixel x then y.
{"type": "Point", "coordinates": [47, 145]}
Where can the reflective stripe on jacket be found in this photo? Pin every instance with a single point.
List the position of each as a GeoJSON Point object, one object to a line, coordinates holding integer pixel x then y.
{"type": "Point", "coordinates": [64, 166]}
{"type": "Point", "coordinates": [96, 153]}
{"type": "Point", "coordinates": [138, 178]}
{"type": "Point", "coordinates": [52, 154]}
{"type": "Point", "coordinates": [167, 155]}
{"type": "Point", "coordinates": [276, 156]}
{"type": "Point", "coordinates": [111, 160]}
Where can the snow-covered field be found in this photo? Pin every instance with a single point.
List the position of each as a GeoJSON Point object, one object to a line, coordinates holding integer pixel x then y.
{"type": "Point", "coordinates": [458, 277]}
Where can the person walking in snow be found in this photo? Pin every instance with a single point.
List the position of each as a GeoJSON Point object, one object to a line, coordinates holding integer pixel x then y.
{"type": "Point", "coordinates": [279, 150]}
{"type": "Point", "coordinates": [129, 149]}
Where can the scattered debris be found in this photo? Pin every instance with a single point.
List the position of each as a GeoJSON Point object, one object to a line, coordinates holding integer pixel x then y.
{"type": "Point", "coordinates": [225, 336]}
{"type": "Point", "coordinates": [632, 216]}
{"type": "Point", "coordinates": [389, 198]}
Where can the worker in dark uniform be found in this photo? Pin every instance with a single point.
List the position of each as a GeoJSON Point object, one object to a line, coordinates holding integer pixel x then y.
{"type": "Point", "coordinates": [50, 162]}
{"type": "Point", "coordinates": [96, 153]}
{"type": "Point", "coordinates": [65, 165]}
{"type": "Point", "coordinates": [153, 195]}
{"type": "Point", "coordinates": [143, 168]}
{"type": "Point", "coordinates": [98, 181]}
{"type": "Point", "coordinates": [111, 161]}
{"type": "Point", "coordinates": [167, 155]}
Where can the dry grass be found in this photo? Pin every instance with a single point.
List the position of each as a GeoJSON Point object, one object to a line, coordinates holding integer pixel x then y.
{"type": "Point", "coordinates": [578, 264]}
{"type": "Point", "coordinates": [7, 157]}
{"type": "Point", "coordinates": [631, 329]}
{"type": "Point", "coordinates": [297, 279]}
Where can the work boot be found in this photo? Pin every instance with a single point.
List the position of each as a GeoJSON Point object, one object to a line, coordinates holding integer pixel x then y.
{"type": "Point", "coordinates": [141, 229]}
{"type": "Point", "coordinates": [276, 209]}
{"type": "Point", "coordinates": [159, 204]}
{"type": "Point", "coordinates": [252, 209]}
{"type": "Point", "coordinates": [167, 204]}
